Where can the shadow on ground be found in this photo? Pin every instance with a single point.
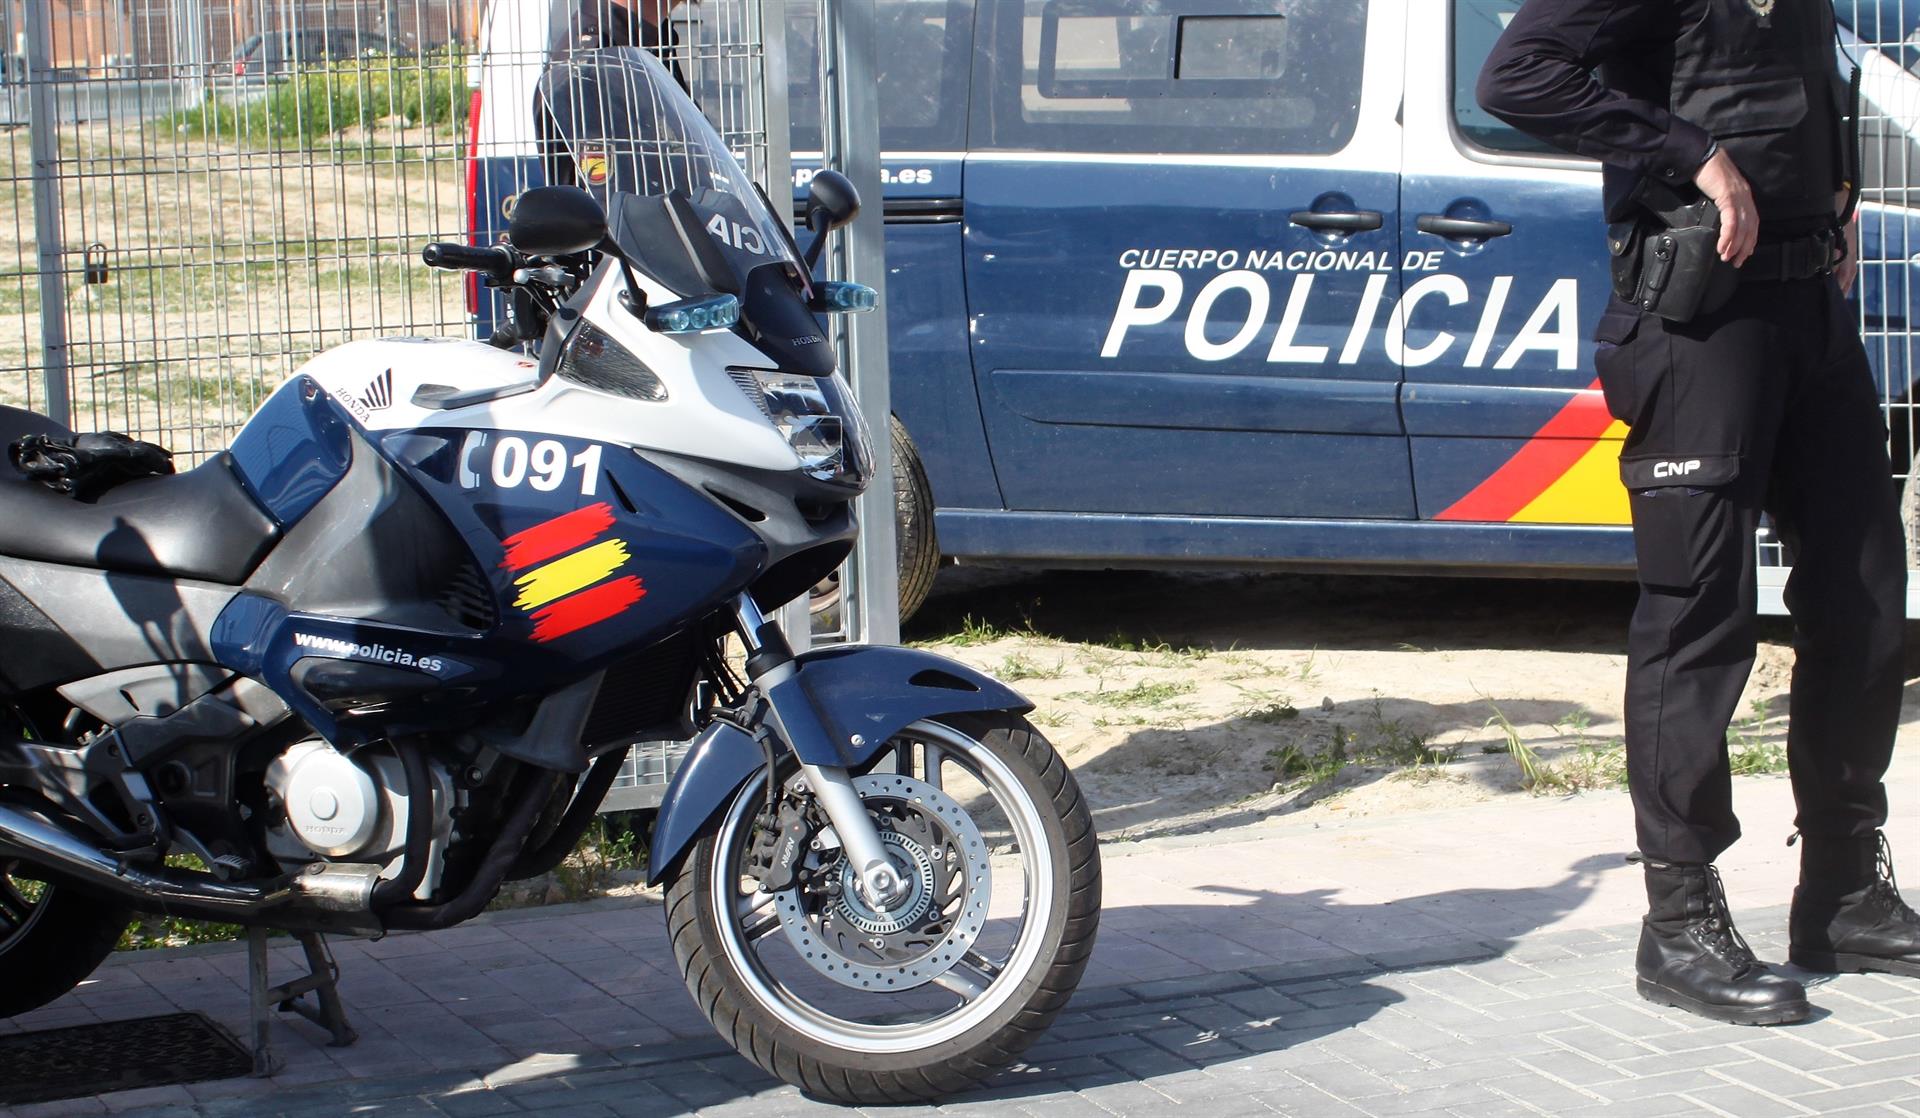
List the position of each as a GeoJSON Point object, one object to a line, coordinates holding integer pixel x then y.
{"type": "Point", "coordinates": [1307, 966]}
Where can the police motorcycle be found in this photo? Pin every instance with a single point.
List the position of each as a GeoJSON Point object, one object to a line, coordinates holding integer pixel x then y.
{"type": "Point", "coordinates": [390, 649]}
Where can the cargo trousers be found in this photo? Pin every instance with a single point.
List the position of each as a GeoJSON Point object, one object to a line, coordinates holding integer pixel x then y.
{"type": "Point", "coordinates": [1764, 406]}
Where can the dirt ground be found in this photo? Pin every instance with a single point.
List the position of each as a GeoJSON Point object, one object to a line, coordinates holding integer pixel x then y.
{"type": "Point", "coordinates": [1191, 702]}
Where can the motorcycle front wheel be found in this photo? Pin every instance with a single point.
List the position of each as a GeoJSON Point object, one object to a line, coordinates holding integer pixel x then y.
{"type": "Point", "coordinates": [872, 1004]}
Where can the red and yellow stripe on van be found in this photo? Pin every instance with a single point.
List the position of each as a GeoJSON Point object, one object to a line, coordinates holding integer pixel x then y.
{"type": "Point", "coordinates": [566, 572]}
{"type": "Point", "coordinates": [1568, 473]}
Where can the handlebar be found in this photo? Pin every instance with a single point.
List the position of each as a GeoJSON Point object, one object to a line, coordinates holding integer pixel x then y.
{"type": "Point", "coordinates": [495, 260]}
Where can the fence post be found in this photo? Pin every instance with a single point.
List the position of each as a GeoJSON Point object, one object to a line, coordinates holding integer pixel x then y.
{"type": "Point", "coordinates": [43, 122]}
{"type": "Point", "coordinates": [850, 135]}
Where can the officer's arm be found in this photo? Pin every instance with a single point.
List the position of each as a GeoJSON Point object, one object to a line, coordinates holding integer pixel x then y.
{"type": "Point", "coordinates": [1540, 79]}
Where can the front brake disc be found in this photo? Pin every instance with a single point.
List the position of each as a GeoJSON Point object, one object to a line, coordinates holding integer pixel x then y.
{"type": "Point", "coordinates": [939, 854]}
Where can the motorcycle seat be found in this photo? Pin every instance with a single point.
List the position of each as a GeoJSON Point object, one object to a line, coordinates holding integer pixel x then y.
{"type": "Point", "coordinates": [198, 524]}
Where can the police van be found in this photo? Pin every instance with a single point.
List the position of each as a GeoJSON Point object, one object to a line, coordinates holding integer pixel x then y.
{"type": "Point", "coordinates": [1245, 282]}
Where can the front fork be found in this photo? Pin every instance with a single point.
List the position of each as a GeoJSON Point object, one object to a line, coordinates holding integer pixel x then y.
{"type": "Point", "coordinates": [769, 664]}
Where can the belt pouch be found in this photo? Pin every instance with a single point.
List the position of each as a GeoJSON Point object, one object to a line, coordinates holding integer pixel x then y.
{"type": "Point", "coordinates": [1623, 244]}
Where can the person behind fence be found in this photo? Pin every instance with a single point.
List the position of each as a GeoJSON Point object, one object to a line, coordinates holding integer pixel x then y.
{"type": "Point", "coordinates": [601, 24]}
{"type": "Point", "coordinates": [1727, 138]}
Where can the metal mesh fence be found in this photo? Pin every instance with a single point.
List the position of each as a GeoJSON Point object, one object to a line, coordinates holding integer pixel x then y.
{"type": "Point", "coordinates": [1882, 37]}
{"type": "Point", "coordinates": [197, 196]}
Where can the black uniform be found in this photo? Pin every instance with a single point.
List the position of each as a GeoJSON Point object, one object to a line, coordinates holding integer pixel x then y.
{"type": "Point", "coordinates": [1765, 404]}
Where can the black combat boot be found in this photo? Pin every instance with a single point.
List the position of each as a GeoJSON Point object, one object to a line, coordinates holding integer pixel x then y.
{"type": "Point", "coordinates": [1847, 912]}
{"type": "Point", "coordinates": [1692, 958]}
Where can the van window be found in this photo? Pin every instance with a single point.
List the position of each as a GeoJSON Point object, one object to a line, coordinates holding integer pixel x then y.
{"type": "Point", "coordinates": [924, 56]}
{"type": "Point", "coordinates": [1187, 77]}
{"type": "Point", "coordinates": [1477, 25]}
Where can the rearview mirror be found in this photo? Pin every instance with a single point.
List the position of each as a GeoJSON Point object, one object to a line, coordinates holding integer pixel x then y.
{"type": "Point", "coordinates": [556, 221]}
{"type": "Point", "coordinates": [831, 203]}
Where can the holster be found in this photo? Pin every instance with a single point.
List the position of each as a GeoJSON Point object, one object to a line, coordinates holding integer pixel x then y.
{"type": "Point", "coordinates": [1667, 261]}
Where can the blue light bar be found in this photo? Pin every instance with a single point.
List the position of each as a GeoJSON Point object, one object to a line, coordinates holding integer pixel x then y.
{"type": "Point", "coordinates": [690, 316]}
{"type": "Point", "coordinates": [836, 297]}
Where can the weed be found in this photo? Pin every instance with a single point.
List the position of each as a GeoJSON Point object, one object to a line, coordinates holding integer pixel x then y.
{"type": "Point", "coordinates": [1146, 693]}
{"type": "Point", "coordinates": [1052, 719]}
{"type": "Point", "coordinates": [1749, 757]}
{"type": "Point", "coordinates": [1535, 773]}
{"type": "Point", "coordinates": [608, 849]}
{"type": "Point", "coordinates": [1308, 668]}
{"type": "Point", "coordinates": [1272, 713]}
{"type": "Point", "coordinates": [1574, 723]}
{"type": "Point", "coordinates": [1297, 767]}
{"type": "Point", "coordinates": [1748, 753]}
{"type": "Point", "coordinates": [1017, 667]}
{"type": "Point", "coordinates": [974, 630]}
{"type": "Point", "coordinates": [1594, 765]}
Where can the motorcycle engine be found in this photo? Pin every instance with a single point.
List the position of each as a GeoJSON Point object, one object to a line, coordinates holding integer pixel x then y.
{"type": "Point", "coordinates": [334, 807]}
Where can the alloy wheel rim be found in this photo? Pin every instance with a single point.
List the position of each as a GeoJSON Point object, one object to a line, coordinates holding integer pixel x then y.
{"type": "Point", "coordinates": [741, 927]}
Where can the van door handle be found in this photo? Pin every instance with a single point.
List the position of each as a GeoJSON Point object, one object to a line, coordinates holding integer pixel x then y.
{"type": "Point", "coordinates": [1461, 228]}
{"type": "Point", "coordinates": [1358, 221]}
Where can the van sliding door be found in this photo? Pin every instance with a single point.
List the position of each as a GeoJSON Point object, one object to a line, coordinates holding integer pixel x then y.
{"type": "Point", "coordinates": [1182, 256]}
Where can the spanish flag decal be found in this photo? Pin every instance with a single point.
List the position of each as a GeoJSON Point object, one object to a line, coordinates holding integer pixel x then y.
{"type": "Point", "coordinates": [1568, 473]}
{"type": "Point", "coordinates": [566, 572]}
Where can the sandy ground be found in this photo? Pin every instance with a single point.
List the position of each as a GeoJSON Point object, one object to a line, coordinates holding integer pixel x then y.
{"type": "Point", "coordinates": [1190, 703]}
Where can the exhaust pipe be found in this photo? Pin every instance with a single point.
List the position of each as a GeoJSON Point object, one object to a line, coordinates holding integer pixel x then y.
{"type": "Point", "coordinates": [321, 897]}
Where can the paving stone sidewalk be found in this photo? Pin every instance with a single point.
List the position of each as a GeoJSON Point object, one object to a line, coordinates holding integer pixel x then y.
{"type": "Point", "coordinates": [1472, 963]}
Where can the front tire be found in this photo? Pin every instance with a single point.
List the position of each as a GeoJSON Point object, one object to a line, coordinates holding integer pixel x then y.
{"type": "Point", "coordinates": [51, 938]}
{"type": "Point", "coordinates": [927, 1050]}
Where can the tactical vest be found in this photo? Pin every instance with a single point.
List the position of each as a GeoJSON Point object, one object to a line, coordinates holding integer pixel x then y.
{"type": "Point", "coordinates": [1761, 77]}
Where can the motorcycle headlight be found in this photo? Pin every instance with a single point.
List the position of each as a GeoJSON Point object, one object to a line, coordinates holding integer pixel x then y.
{"type": "Point", "coordinates": [593, 358]}
{"type": "Point", "coordinates": [818, 417]}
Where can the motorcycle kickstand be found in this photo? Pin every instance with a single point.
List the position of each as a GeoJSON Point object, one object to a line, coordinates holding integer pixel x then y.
{"type": "Point", "coordinates": [322, 981]}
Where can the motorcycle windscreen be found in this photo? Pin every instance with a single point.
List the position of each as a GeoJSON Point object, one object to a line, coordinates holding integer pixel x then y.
{"type": "Point", "coordinates": [677, 200]}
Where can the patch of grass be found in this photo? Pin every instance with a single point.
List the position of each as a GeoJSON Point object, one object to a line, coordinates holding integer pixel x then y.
{"type": "Point", "coordinates": [1052, 719]}
{"type": "Point", "coordinates": [1297, 767]}
{"type": "Point", "coordinates": [1019, 666]}
{"type": "Point", "coordinates": [313, 109]}
{"type": "Point", "coordinates": [1749, 757]}
{"type": "Point", "coordinates": [1271, 714]}
{"type": "Point", "coordinates": [974, 630]}
{"type": "Point", "coordinates": [1146, 693]}
{"type": "Point", "coordinates": [609, 849]}
{"type": "Point", "coordinates": [1748, 752]}
{"type": "Point", "coordinates": [1594, 765]}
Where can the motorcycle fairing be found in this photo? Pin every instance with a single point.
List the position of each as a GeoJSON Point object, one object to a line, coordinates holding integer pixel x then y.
{"type": "Point", "coordinates": [356, 620]}
{"type": "Point", "coordinates": [869, 691]}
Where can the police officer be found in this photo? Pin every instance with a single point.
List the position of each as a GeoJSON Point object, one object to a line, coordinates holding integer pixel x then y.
{"type": "Point", "coordinates": [1746, 389]}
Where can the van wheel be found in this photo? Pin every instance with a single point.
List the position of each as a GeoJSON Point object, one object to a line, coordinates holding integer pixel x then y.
{"type": "Point", "coordinates": [917, 551]}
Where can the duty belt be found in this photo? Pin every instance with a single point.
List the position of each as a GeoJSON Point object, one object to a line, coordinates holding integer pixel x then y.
{"type": "Point", "coordinates": [1796, 259]}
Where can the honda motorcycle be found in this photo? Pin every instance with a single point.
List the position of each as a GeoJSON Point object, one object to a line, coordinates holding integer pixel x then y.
{"type": "Point", "coordinates": [390, 649]}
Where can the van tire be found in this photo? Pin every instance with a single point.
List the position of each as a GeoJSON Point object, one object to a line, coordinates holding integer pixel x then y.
{"type": "Point", "coordinates": [919, 558]}
{"type": "Point", "coordinates": [917, 551]}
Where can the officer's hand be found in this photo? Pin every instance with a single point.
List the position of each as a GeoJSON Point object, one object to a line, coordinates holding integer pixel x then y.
{"type": "Point", "coordinates": [1721, 181]}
